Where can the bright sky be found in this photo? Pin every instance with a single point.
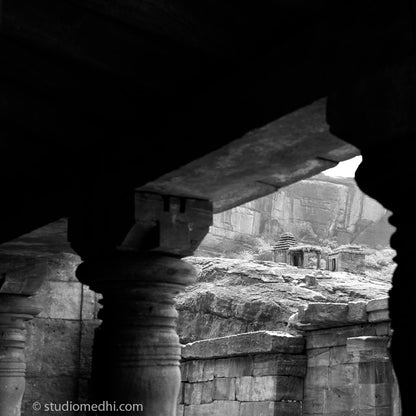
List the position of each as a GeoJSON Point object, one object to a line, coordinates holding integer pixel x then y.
{"type": "Point", "coordinates": [346, 168]}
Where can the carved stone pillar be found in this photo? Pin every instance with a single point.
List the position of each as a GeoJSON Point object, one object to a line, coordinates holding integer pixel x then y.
{"type": "Point", "coordinates": [15, 310]}
{"type": "Point", "coordinates": [136, 349]}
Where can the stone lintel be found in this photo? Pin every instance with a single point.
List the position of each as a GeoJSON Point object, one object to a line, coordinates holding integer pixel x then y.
{"type": "Point", "coordinates": [258, 342]}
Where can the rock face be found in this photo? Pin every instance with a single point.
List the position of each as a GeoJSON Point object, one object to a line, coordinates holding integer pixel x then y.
{"type": "Point", "coordinates": [314, 210]}
{"type": "Point", "coordinates": [233, 296]}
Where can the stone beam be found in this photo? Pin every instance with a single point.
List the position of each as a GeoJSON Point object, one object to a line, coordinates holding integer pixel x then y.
{"type": "Point", "coordinates": [294, 147]}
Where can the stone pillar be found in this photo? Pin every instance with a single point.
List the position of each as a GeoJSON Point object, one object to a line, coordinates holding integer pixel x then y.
{"type": "Point", "coordinates": [136, 349]}
{"type": "Point", "coordinates": [318, 261]}
{"type": "Point", "coordinates": [305, 260]}
{"type": "Point", "coordinates": [15, 310]}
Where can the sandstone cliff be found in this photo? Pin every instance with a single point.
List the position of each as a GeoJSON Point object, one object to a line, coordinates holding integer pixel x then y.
{"type": "Point", "coordinates": [233, 296]}
{"type": "Point", "coordinates": [318, 210]}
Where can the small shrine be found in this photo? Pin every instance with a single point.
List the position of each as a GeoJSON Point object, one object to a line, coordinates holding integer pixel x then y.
{"type": "Point", "coordinates": [280, 250]}
{"type": "Point", "coordinates": [299, 255]}
{"type": "Point", "coordinates": [348, 258]}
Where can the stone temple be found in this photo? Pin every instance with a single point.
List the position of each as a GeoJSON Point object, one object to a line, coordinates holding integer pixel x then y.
{"type": "Point", "coordinates": [136, 122]}
{"type": "Point", "coordinates": [347, 258]}
{"type": "Point", "coordinates": [280, 250]}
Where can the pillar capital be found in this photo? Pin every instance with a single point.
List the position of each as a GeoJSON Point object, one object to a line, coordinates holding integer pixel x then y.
{"type": "Point", "coordinates": [128, 269]}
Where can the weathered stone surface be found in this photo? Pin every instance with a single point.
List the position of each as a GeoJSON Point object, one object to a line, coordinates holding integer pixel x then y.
{"type": "Point", "coordinates": [336, 336]}
{"type": "Point", "coordinates": [367, 343]}
{"type": "Point", "coordinates": [52, 347]}
{"type": "Point", "coordinates": [242, 344]}
{"type": "Point", "coordinates": [21, 275]}
{"type": "Point", "coordinates": [343, 375]}
{"type": "Point", "coordinates": [367, 348]}
{"type": "Point", "coordinates": [374, 395]}
{"type": "Point", "coordinates": [379, 316]}
{"type": "Point", "coordinates": [339, 399]}
{"type": "Point", "coordinates": [328, 315]}
{"type": "Point", "coordinates": [62, 266]}
{"type": "Point", "coordinates": [378, 304]}
{"type": "Point", "coordinates": [224, 389]}
{"type": "Point", "coordinates": [325, 314]}
{"type": "Point", "coordinates": [314, 399]}
{"type": "Point", "coordinates": [357, 312]}
{"type": "Point", "coordinates": [279, 365]}
{"type": "Point", "coordinates": [181, 394]}
{"type": "Point", "coordinates": [270, 409]}
{"type": "Point", "coordinates": [375, 372]}
{"type": "Point", "coordinates": [217, 408]}
{"type": "Point", "coordinates": [338, 355]}
{"type": "Point", "coordinates": [90, 305]}
{"type": "Point", "coordinates": [55, 389]}
{"type": "Point", "coordinates": [318, 357]}
{"type": "Point", "coordinates": [87, 340]}
{"type": "Point", "coordinates": [383, 329]}
{"type": "Point", "coordinates": [60, 300]}
{"type": "Point", "coordinates": [180, 409]}
{"type": "Point", "coordinates": [193, 393]}
{"type": "Point", "coordinates": [83, 390]}
{"type": "Point", "coordinates": [317, 376]}
{"type": "Point", "coordinates": [234, 296]}
{"type": "Point", "coordinates": [265, 388]}
{"type": "Point", "coordinates": [197, 370]}
{"type": "Point", "coordinates": [207, 392]}
{"type": "Point", "coordinates": [234, 367]}
{"type": "Point", "coordinates": [378, 411]}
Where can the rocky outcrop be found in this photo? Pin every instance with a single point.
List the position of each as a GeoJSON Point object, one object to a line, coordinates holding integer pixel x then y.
{"type": "Point", "coordinates": [233, 296]}
{"type": "Point", "coordinates": [314, 210]}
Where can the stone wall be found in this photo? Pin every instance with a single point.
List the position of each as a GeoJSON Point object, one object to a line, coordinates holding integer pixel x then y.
{"type": "Point", "coordinates": [348, 367]}
{"type": "Point", "coordinates": [257, 373]}
{"type": "Point", "coordinates": [59, 340]}
{"type": "Point", "coordinates": [338, 367]}
{"type": "Point", "coordinates": [347, 261]}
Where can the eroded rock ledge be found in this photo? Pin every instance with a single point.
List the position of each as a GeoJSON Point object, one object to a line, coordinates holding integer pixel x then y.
{"type": "Point", "coordinates": [233, 296]}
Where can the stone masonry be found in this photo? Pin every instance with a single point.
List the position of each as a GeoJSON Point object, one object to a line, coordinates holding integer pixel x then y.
{"type": "Point", "coordinates": [339, 367]}
{"type": "Point", "coordinates": [257, 373]}
{"type": "Point", "coordinates": [349, 371]}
